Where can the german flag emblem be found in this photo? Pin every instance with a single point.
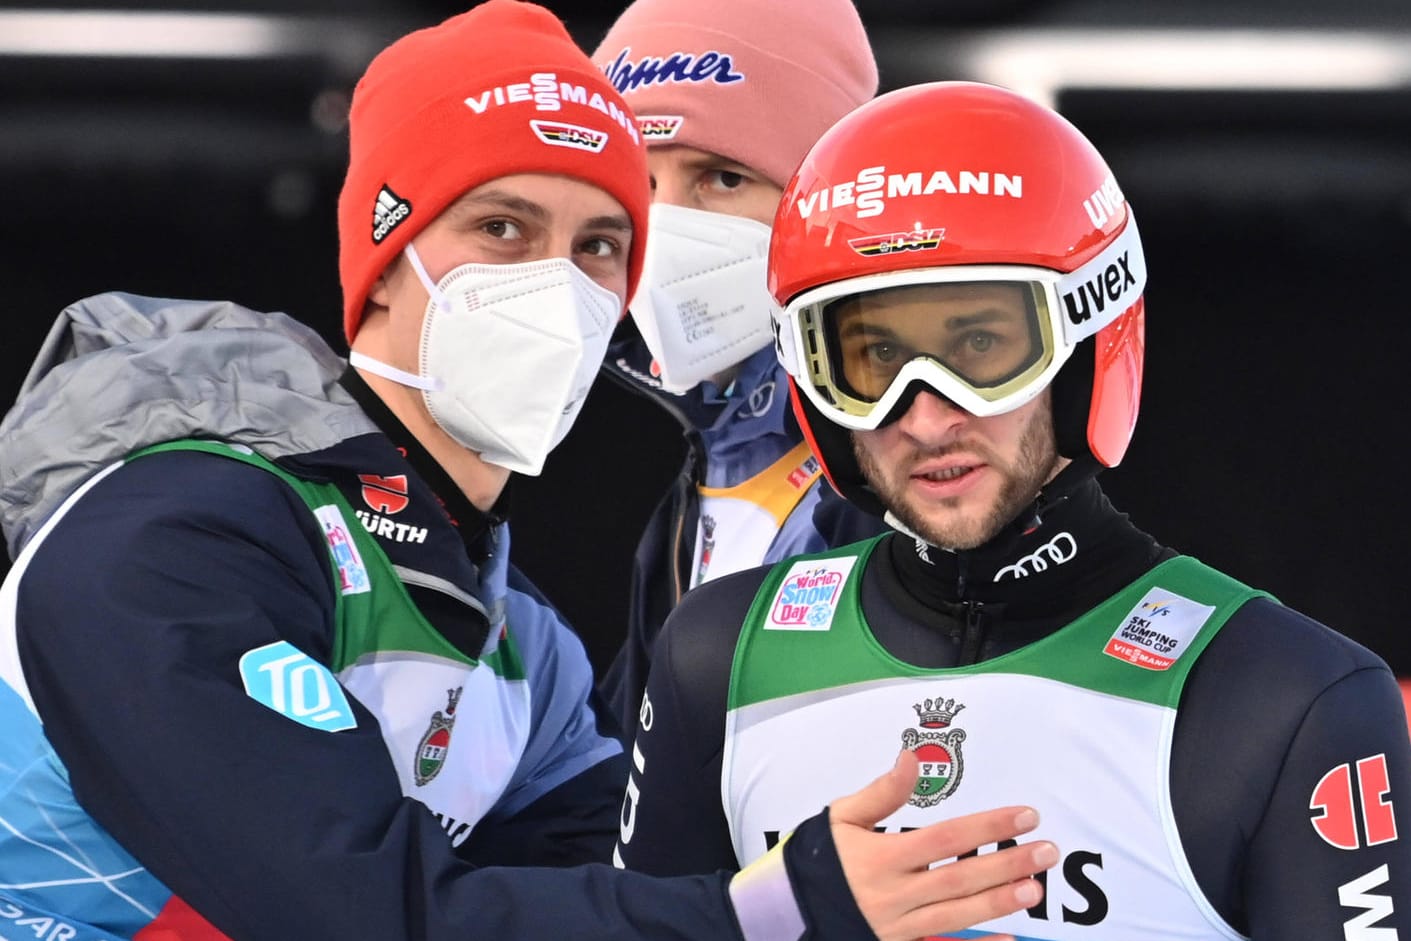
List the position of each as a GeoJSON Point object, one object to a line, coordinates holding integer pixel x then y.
{"type": "Point", "coordinates": [917, 240]}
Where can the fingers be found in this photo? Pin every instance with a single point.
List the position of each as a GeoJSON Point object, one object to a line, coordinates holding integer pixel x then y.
{"type": "Point", "coordinates": [955, 836]}
{"type": "Point", "coordinates": [971, 891]}
{"type": "Point", "coordinates": [896, 880]}
{"type": "Point", "coordinates": [882, 797]}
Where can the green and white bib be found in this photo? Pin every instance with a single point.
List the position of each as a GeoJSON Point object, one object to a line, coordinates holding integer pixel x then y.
{"type": "Point", "coordinates": [1077, 725]}
{"type": "Point", "coordinates": [455, 726]}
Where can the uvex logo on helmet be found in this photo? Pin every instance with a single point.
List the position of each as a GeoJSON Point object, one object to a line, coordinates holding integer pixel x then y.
{"type": "Point", "coordinates": [1112, 285]}
{"type": "Point", "coordinates": [1105, 202]}
{"type": "Point", "coordinates": [1111, 281]}
{"type": "Point", "coordinates": [1099, 291]}
{"type": "Point", "coordinates": [873, 186]}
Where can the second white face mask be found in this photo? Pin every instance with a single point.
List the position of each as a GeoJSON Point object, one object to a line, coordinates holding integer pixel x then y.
{"type": "Point", "coordinates": [703, 304]}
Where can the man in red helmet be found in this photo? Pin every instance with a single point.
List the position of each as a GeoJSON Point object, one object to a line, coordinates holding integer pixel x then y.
{"type": "Point", "coordinates": [961, 289]}
{"type": "Point", "coordinates": [267, 671]}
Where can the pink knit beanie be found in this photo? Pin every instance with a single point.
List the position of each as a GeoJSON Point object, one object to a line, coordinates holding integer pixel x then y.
{"type": "Point", "coordinates": [755, 81]}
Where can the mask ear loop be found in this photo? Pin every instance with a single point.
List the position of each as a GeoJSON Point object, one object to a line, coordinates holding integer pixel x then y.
{"type": "Point", "coordinates": [387, 371]}
{"type": "Point", "coordinates": [432, 290]}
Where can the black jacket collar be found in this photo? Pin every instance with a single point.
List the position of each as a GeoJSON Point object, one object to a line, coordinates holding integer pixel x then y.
{"type": "Point", "coordinates": [473, 524]}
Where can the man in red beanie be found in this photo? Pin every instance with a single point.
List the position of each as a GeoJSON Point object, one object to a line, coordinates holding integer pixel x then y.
{"type": "Point", "coordinates": [729, 96]}
{"type": "Point", "coordinates": [266, 671]}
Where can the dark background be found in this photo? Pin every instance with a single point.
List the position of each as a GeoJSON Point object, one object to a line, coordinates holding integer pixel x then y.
{"type": "Point", "coordinates": [1272, 181]}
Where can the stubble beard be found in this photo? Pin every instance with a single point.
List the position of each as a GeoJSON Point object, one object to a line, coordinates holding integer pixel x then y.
{"type": "Point", "coordinates": [1020, 485]}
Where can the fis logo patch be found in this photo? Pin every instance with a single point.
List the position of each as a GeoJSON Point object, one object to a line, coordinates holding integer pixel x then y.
{"type": "Point", "coordinates": [575, 136]}
{"type": "Point", "coordinates": [656, 128]}
{"type": "Point", "coordinates": [352, 573]}
{"type": "Point", "coordinates": [293, 684]}
{"type": "Point", "coordinates": [431, 751]}
{"type": "Point", "coordinates": [1158, 630]}
{"type": "Point", "coordinates": [808, 598]}
{"type": "Point", "coordinates": [388, 212]}
{"type": "Point", "coordinates": [917, 240]}
{"type": "Point", "coordinates": [937, 745]}
{"type": "Point", "coordinates": [805, 474]}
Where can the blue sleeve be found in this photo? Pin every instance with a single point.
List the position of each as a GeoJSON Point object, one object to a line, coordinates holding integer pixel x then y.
{"type": "Point", "coordinates": [672, 818]}
{"type": "Point", "coordinates": [654, 592]}
{"type": "Point", "coordinates": [1296, 735]}
{"type": "Point", "coordinates": [561, 805]}
{"type": "Point", "coordinates": [1332, 856]}
{"type": "Point", "coordinates": [132, 618]}
{"type": "Point", "coordinates": [564, 739]}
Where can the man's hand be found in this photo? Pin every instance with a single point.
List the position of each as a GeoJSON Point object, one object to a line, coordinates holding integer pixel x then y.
{"type": "Point", "coordinates": [890, 876]}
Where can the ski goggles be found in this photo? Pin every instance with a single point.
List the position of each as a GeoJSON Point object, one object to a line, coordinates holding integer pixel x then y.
{"type": "Point", "coordinates": [989, 338]}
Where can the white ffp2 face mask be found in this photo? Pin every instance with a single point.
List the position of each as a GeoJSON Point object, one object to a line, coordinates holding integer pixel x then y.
{"type": "Point", "coordinates": [703, 304]}
{"type": "Point", "coordinates": [508, 353]}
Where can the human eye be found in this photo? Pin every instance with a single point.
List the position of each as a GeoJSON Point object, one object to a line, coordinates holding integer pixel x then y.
{"type": "Point", "coordinates": [500, 228]}
{"type": "Point", "coordinates": [881, 352]}
{"type": "Point", "coordinates": [600, 246]}
{"type": "Point", "coordinates": [977, 346]}
{"type": "Point", "coordinates": [982, 341]}
{"type": "Point", "coordinates": [985, 354]}
{"type": "Point", "coordinates": [725, 180]}
{"type": "Point", "coordinates": [871, 362]}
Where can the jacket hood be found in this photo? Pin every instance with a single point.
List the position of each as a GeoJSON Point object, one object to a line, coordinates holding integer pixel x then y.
{"type": "Point", "coordinates": [118, 372]}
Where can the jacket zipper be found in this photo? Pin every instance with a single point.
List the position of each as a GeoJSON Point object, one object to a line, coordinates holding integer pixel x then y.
{"type": "Point", "coordinates": [973, 634]}
{"type": "Point", "coordinates": [691, 471]}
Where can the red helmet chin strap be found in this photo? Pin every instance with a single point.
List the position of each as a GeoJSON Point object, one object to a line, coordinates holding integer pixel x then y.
{"type": "Point", "coordinates": [806, 424]}
{"type": "Point", "coordinates": [1117, 385]}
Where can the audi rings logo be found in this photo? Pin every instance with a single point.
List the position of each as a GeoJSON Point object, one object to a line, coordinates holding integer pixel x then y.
{"type": "Point", "coordinates": [1056, 551]}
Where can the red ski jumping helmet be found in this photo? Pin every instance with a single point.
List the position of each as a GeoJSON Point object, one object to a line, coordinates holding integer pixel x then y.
{"type": "Point", "coordinates": [946, 193]}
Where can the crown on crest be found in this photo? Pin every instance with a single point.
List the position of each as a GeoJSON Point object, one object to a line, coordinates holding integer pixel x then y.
{"type": "Point", "coordinates": [936, 713]}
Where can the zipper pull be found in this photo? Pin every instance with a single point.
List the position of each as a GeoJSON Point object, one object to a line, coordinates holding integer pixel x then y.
{"type": "Point", "coordinates": [974, 633]}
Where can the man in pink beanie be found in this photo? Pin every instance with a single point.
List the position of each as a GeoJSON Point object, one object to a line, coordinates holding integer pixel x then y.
{"type": "Point", "coordinates": [729, 96]}
{"type": "Point", "coordinates": [266, 670]}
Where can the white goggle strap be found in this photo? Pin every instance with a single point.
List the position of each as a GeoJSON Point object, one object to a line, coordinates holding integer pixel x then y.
{"type": "Point", "coordinates": [431, 289]}
{"type": "Point", "coordinates": [786, 338]}
{"type": "Point", "coordinates": [1100, 291]}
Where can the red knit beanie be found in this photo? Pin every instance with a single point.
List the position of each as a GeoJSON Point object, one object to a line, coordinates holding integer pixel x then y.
{"type": "Point", "coordinates": [498, 90]}
{"type": "Point", "coordinates": [755, 81]}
